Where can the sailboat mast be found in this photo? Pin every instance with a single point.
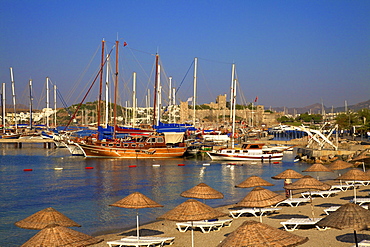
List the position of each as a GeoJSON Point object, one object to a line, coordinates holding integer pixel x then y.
{"type": "Point", "coordinates": [133, 99]}
{"type": "Point", "coordinates": [155, 90]}
{"type": "Point", "coordinates": [194, 87]}
{"type": "Point", "coordinates": [159, 95]}
{"type": "Point", "coordinates": [107, 94]}
{"type": "Point", "coordinates": [148, 108]}
{"type": "Point", "coordinates": [233, 106]}
{"type": "Point", "coordinates": [31, 102]}
{"type": "Point", "coordinates": [55, 106]}
{"type": "Point", "coordinates": [101, 81]}
{"type": "Point", "coordinates": [232, 90]}
{"type": "Point", "coordinates": [13, 94]}
{"type": "Point", "coordinates": [3, 106]}
{"type": "Point", "coordinates": [115, 92]}
{"type": "Point", "coordinates": [47, 103]}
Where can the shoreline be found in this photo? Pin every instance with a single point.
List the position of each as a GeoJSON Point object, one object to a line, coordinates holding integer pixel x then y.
{"type": "Point", "coordinates": [329, 237]}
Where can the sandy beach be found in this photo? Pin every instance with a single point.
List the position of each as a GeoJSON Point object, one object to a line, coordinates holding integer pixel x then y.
{"type": "Point", "coordinates": [329, 237]}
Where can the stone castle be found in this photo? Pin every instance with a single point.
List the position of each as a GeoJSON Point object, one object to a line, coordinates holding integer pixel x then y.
{"type": "Point", "coordinates": [219, 113]}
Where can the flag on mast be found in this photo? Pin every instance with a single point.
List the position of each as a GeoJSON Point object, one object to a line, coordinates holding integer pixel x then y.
{"type": "Point", "coordinates": [190, 99]}
{"type": "Point", "coordinates": [256, 99]}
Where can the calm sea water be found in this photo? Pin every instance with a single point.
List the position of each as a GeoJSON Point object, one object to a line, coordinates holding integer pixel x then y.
{"type": "Point", "coordinates": [84, 195]}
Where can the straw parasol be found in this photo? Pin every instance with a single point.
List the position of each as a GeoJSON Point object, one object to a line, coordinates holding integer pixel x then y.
{"type": "Point", "coordinates": [136, 200]}
{"type": "Point", "coordinates": [288, 175]}
{"type": "Point", "coordinates": [202, 191]}
{"type": "Point", "coordinates": [55, 235]}
{"type": "Point", "coordinates": [354, 175]}
{"type": "Point", "coordinates": [348, 216]}
{"type": "Point", "coordinates": [308, 183]}
{"type": "Point", "coordinates": [192, 210]}
{"type": "Point", "coordinates": [260, 197]}
{"type": "Point", "coordinates": [361, 157]}
{"type": "Point", "coordinates": [45, 217]}
{"type": "Point", "coordinates": [317, 168]}
{"type": "Point", "coordinates": [252, 233]}
{"type": "Point", "coordinates": [339, 165]}
{"type": "Point", "coordinates": [253, 181]}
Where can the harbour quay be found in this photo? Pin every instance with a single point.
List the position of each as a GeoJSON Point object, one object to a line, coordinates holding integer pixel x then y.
{"type": "Point", "coordinates": [18, 143]}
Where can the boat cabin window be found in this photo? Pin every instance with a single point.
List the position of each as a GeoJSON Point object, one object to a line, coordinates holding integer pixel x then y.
{"type": "Point", "coordinates": [151, 140]}
{"type": "Point", "coordinates": [118, 145]}
{"type": "Point", "coordinates": [110, 144]}
{"type": "Point", "coordinates": [103, 144]}
{"type": "Point", "coordinates": [229, 151]}
{"type": "Point", "coordinates": [141, 145]}
{"type": "Point", "coordinates": [160, 139]}
{"type": "Point", "coordinates": [133, 145]}
{"type": "Point", "coordinates": [125, 145]}
{"type": "Point", "coordinates": [245, 151]}
{"type": "Point", "coordinates": [253, 146]}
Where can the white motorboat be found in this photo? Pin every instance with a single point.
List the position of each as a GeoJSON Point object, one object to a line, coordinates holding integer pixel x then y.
{"type": "Point", "coordinates": [248, 152]}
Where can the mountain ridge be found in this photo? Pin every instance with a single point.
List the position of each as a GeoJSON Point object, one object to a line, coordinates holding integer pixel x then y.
{"type": "Point", "coordinates": [317, 108]}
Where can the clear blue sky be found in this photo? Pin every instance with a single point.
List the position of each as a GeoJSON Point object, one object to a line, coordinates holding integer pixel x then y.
{"type": "Point", "coordinates": [288, 53]}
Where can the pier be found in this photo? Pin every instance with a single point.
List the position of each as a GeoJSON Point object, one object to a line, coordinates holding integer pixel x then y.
{"type": "Point", "coordinates": [18, 143]}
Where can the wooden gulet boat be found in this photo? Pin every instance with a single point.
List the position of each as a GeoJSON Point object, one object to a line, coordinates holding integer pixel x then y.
{"type": "Point", "coordinates": [153, 146]}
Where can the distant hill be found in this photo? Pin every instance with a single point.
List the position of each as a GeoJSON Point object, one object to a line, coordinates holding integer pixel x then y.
{"type": "Point", "coordinates": [18, 107]}
{"type": "Point", "coordinates": [317, 108]}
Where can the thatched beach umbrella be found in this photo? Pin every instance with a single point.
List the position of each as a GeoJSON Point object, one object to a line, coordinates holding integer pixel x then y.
{"type": "Point", "coordinates": [192, 210]}
{"type": "Point", "coordinates": [339, 165]}
{"type": "Point", "coordinates": [252, 233]}
{"type": "Point", "coordinates": [317, 168]}
{"type": "Point", "coordinates": [308, 183]}
{"type": "Point", "coordinates": [361, 157]}
{"type": "Point", "coordinates": [202, 191]}
{"type": "Point", "coordinates": [54, 236]}
{"type": "Point", "coordinates": [253, 181]}
{"type": "Point", "coordinates": [136, 200]}
{"type": "Point", "coordinates": [45, 217]}
{"type": "Point", "coordinates": [259, 198]}
{"type": "Point", "coordinates": [348, 216]}
{"type": "Point", "coordinates": [354, 175]}
{"type": "Point", "coordinates": [288, 175]}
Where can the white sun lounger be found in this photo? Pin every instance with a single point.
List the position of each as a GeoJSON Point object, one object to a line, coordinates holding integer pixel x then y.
{"type": "Point", "coordinates": [363, 243]}
{"type": "Point", "coordinates": [334, 208]}
{"type": "Point", "coordinates": [293, 223]}
{"type": "Point", "coordinates": [143, 241]}
{"type": "Point", "coordinates": [167, 240]}
{"type": "Point", "coordinates": [205, 226]}
{"type": "Point", "coordinates": [358, 182]}
{"type": "Point", "coordinates": [360, 201]}
{"type": "Point", "coordinates": [322, 193]}
{"type": "Point", "coordinates": [343, 187]}
{"type": "Point", "coordinates": [146, 243]}
{"type": "Point", "coordinates": [292, 201]}
{"type": "Point", "coordinates": [254, 211]}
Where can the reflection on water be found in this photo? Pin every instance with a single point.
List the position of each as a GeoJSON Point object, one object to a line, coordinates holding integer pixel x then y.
{"type": "Point", "coordinates": [84, 195]}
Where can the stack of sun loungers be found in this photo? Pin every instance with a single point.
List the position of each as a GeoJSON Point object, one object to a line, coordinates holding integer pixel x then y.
{"type": "Point", "coordinates": [142, 241]}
